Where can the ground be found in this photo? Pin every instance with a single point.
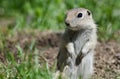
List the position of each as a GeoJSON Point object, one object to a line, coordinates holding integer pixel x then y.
{"type": "Point", "coordinates": [107, 56]}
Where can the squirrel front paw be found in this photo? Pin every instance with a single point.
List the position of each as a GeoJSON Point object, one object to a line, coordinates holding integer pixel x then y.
{"type": "Point", "coordinates": [70, 48]}
{"type": "Point", "coordinates": [86, 49]}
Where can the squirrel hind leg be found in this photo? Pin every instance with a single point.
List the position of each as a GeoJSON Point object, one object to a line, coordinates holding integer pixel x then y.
{"type": "Point", "coordinates": [86, 66]}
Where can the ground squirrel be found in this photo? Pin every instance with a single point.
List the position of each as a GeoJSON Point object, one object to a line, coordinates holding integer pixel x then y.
{"type": "Point", "coordinates": [76, 51]}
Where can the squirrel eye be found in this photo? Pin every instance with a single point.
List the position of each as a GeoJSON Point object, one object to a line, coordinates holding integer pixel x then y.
{"type": "Point", "coordinates": [79, 15]}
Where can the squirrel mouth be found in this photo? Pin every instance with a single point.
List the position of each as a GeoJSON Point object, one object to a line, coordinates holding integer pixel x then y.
{"type": "Point", "coordinates": [72, 28]}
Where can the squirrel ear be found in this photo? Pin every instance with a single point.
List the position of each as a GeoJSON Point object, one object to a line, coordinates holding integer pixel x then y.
{"type": "Point", "coordinates": [88, 12]}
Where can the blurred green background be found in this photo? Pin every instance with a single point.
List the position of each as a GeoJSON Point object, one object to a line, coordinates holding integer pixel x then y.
{"type": "Point", "coordinates": [49, 14]}
{"type": "Point", "coordinates": [19, 15]}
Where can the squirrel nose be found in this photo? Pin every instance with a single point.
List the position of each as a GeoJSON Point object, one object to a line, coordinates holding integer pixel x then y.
{"type": "Point", "coordinates": [67, 24]}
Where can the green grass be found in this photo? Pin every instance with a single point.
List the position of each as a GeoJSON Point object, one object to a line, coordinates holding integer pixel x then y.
{"type": "Point", "coordinates": [47, 15]}
{"type": "Point", "coordinates": [26, 67]}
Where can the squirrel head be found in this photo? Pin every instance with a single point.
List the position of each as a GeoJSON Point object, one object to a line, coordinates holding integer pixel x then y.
{"type": "Point", "coordinates": [79, 18]}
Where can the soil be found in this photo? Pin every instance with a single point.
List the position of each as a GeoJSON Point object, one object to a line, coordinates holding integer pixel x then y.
{"type": "Point", "coordinates": [107, 56]}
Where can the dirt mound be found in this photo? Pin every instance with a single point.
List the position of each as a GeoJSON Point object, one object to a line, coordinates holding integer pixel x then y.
{"type": "Point", "coordinates": [107, 60]}
{"type": "Point", "coordinates": [107, 56]}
